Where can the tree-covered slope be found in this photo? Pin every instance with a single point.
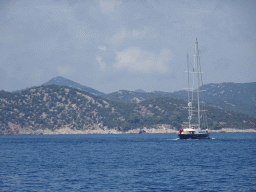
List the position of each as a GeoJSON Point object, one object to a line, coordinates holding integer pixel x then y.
{"type": "Point", "coordinates": [131, 96]}
{"type": "Point", "coordinates": [176, 110]}
{"type": "Point", "coordinates": [237, 97]}
{"type": "Point", "coordinates": [53, 107]}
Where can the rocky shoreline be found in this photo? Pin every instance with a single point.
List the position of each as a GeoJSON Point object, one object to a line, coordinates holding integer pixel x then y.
{"type": "Point", "coordinates": [160, 129]}
{"type": "Point", "coordinates": [64, 131]}
{"type": "Point", "coordinates": [232, 130]}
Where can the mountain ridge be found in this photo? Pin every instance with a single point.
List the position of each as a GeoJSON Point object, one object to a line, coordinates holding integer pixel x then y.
{"type": "Point", "coordinates": [66, 82]}
{"type": "Point", "coordinates": [54, 107]}
{"type": "Point", "coordinates": [238, 97]}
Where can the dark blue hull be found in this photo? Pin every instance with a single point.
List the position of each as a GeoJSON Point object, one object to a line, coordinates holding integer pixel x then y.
{"type": "Point", "coordinates": [194, 136]}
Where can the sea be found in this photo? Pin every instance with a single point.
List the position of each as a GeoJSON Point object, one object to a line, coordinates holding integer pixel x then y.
{"type": "Point", "coordinates": [128, 162]}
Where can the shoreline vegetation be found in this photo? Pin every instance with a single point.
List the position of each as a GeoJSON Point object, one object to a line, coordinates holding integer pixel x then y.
{"type": "Point", "coordinates": [160, 129]}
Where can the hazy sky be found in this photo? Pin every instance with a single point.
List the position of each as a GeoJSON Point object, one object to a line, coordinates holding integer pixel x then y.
{"type": "Point", "coordinates": [110, 45]}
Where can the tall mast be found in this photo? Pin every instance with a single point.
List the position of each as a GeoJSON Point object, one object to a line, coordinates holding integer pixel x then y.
{"type": "Point", "coordinates": [189, 103]}
{"type": "Point", "coordinates": [198, 85]}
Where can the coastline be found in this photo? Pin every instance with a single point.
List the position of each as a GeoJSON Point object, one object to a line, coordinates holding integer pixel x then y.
{"type": "Point", "coordinates": [159, 129]}
{"type": "Point", "coordinates": [233, 130]}
{"type": "Point", "coordinates": [17, 130]}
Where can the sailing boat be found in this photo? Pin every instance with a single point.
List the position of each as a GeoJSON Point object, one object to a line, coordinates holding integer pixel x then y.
{"type": "Point", "coordinates": [192, 128]}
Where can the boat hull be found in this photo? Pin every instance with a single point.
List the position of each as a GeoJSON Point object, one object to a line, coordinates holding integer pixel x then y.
{"type": "Point", "coordinates": [193, 136]}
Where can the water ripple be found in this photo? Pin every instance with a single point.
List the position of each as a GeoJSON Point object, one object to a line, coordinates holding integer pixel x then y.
{"type": "Point", "coordinates": [159, 162]}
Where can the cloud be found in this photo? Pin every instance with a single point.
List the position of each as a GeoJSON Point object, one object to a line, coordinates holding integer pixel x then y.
{"type": "Point", "coordinates": [108, 6]}
{"type": "Point", "coordinates": [101, 63]}
{"type": "Point", "coordinates": [103, 48]}
{"type": "Point", "coordinates": [122, 34]}
{"type": "Point", "coordinates": [135, 59]}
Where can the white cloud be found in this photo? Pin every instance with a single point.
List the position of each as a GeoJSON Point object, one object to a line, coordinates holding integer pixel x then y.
{"type": "Point", "coordinates": [108, 6]}
{"type": "Point", "coordinates": [103, 48]}
{"type": "Point", "coordinates": [134, 59]}
{"type": "Point", "coordinates": [101, 63]}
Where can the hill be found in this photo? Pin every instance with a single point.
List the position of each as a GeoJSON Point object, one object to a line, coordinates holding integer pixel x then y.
{"type": "Point", "coordinates": [54, 107]}
{"type": "Point", "coordinates": [237, 97]}
{"type": "Point", "coordinates": [66, 82]}
{"type": "Point", "coordinates": [140, 91]}
{"type": "Point", "coordinates": [125, 96]}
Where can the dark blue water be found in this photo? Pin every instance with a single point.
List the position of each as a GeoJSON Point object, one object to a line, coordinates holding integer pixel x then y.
{"type": "Point", "coordinates": [155, 162]}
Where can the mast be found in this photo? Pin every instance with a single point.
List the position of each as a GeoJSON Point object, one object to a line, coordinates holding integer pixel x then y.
{"type": "Point", "coordinates": [189, 103]}
{"type": "Point", "coordinates": [198, 83]}
{"type": "Point", "coordinates": [196, 80]}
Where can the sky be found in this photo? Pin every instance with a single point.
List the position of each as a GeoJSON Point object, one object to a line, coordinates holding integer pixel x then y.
{"type": "Point", "coordinates": [112, 45]}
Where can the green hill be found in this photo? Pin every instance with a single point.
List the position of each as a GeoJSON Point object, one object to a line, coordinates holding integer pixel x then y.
{"type": "Point", "coordinates": [54, 107]}
{"type": "Point", "coordinates": [237, 97]}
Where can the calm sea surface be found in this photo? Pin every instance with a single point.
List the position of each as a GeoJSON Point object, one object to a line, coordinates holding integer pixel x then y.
{"type": "Point", "coordinates": [147, 162]}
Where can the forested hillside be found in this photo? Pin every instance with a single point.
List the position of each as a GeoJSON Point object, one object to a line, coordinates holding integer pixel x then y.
{"type": "Point", "coordinates": [53, 107]}
{"type": "Point", "coordinates": [237, 97]}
